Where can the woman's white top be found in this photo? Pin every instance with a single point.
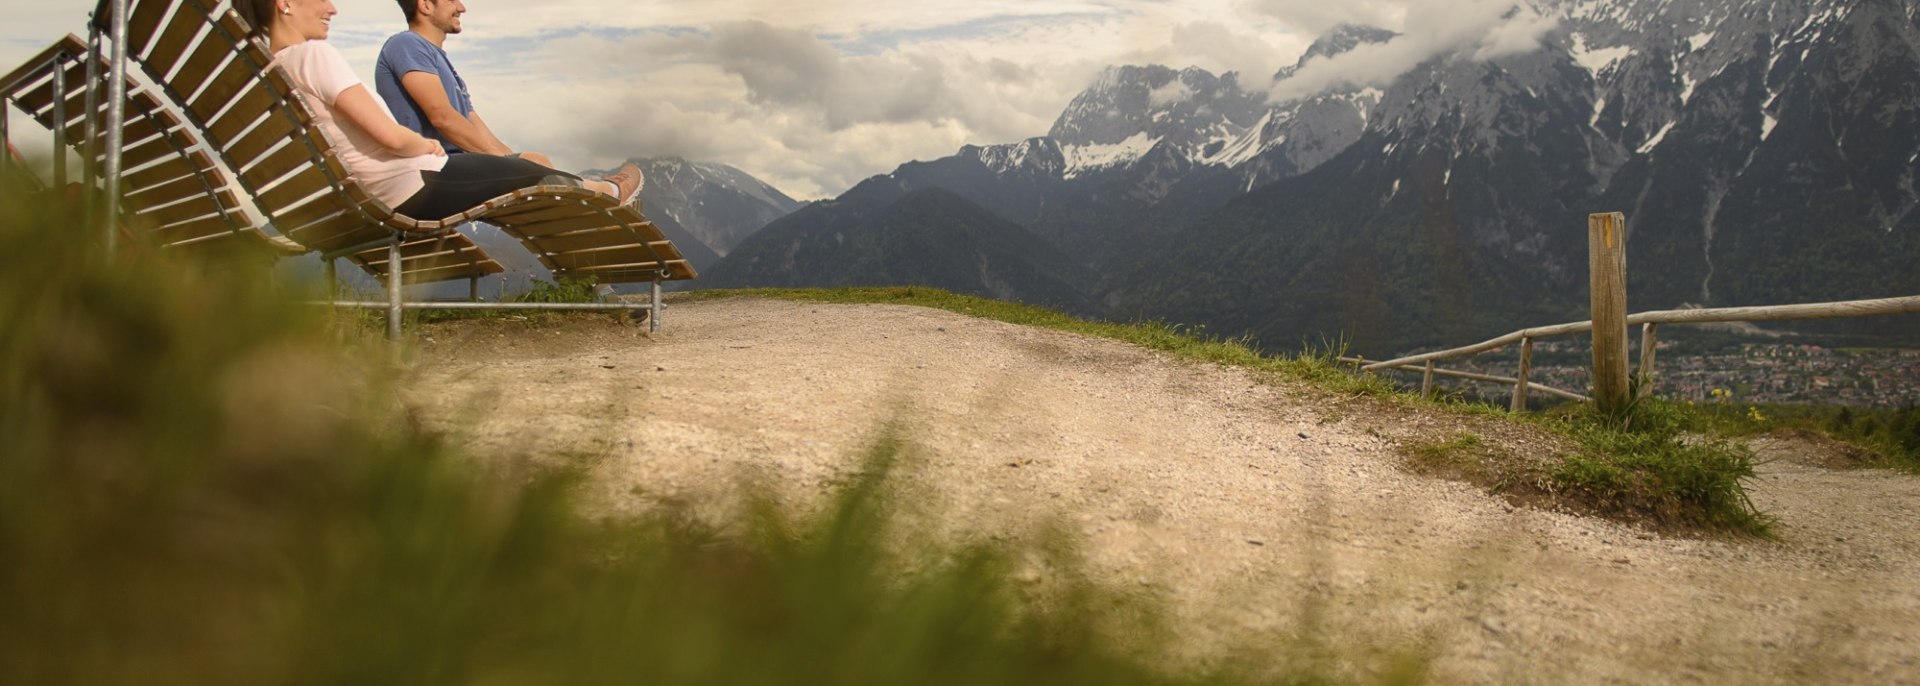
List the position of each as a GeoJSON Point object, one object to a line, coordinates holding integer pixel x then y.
{"type": "Point", "coordinates": [320, 75]}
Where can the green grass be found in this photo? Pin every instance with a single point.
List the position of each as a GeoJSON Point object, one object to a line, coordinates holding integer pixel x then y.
{"type": "Point", "coordinates": [1652, 466]}
{"type": "Point", "coordinates": [203, 481]}
{"type": "Point", "coordinates": [1654, 473]}
{"type": "Point", "coordinates": [1890, 436]}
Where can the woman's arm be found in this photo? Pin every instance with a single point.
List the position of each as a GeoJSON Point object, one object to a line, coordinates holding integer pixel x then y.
{"type": "Point", "coordinates": [358, 106]}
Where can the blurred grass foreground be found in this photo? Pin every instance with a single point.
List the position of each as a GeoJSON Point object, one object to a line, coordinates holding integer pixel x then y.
{"type": "Point", "coordinates": [204, 482]}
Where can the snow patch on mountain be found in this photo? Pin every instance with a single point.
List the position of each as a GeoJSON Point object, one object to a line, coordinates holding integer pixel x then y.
{"type": "Point", "coordinates": [1085, 158]}
{"type": "Point", "coordinates": [1598, 60]}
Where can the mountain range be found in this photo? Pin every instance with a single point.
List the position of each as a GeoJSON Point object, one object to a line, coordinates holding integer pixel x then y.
{"type": "Point", "coordinates": [1764, 151]}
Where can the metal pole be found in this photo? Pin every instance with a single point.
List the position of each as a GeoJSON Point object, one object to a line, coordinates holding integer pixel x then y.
{"type": "Point", "coordinates": [393, 290]}
{"type": "Point", "coordinates": [332, 274]}
{"type": "Point", "coordinates": [653, 318]}
{"type": "Point", "coordinates": [473, 289]}
{"type": "Point", "coordinates": [116, 121]}
{"type": "Point", "coordinates": [60, 123]}
{"type": "Point", "coordinates": [90, 157]}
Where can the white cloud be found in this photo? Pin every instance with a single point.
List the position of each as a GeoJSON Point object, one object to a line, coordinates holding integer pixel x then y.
{"type": "Point", "coordinates": [1176, 91]}
{"type": "Point", "coordinates": [1486, 28]}
{"type": "Point", "coordinates": [814, 95]}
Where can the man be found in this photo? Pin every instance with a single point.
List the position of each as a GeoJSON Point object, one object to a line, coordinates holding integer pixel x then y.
{"type": "Point", "coordinates": [418, 82]}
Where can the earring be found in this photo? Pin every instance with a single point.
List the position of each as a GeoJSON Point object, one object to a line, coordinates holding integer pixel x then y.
{"type": "Point", "coordinates": [286, 11]}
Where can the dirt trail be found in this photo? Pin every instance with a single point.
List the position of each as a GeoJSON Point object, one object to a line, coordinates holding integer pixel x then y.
{"type": "Point", "coordinates": [1243, 502]}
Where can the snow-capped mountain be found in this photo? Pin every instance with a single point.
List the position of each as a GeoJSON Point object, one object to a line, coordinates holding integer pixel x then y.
{"type": "Point", "coordinates": [1130, 111]}
{"type": "Point", "coordinates": [1764, 150]}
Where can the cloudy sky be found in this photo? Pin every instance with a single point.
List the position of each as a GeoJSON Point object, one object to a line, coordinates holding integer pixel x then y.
{"type": "Point", "coordinates": [814, 95]}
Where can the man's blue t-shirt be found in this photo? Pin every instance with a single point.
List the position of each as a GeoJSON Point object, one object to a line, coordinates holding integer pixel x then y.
{"type": "Point", "coordinates": [408, 52]}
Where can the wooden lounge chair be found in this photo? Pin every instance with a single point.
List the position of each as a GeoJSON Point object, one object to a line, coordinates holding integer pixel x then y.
{"type": "Point", "coordinates": [172, 190]}
{"type": "Point", "coordinates": [199, 53]}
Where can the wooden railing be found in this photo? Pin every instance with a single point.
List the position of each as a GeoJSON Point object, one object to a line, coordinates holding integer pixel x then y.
{"type": "Point", "coordinates": [1650, 322]}
{"type": "Point", "coordinates": [1608, 248]}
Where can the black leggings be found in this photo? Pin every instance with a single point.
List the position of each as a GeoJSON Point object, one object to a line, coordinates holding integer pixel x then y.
{"type": "Point", "coordinates": [473, 178]}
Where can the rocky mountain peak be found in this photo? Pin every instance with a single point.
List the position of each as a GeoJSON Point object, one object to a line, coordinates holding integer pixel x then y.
{"type": "Point", "coordinates": [1339, 40]}
{"type": "Point", "coordinates": [1130, 110]}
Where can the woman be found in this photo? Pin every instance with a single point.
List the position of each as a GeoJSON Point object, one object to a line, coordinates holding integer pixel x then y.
{"type": "Point", "coordinates": [407, 171]}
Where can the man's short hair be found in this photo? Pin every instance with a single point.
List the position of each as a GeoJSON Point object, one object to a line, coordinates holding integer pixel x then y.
{"type": "Point", "coordinates": [411, 8]}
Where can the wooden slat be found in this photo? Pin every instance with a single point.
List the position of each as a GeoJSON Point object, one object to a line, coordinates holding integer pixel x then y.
{"type": "Point", "coordinates": [294, 191]}
{"type": "Point", "coordinates": [603, 258]}
{"type": "Point", "coordinates": [238, 76]}
{"type": "Point", "coordinates": [337, 232]}
{"type": "Point", "coordinates": [38, 99]}
{"type": "Point", "coordinates": [535, 210]}
{"type": "Point", "coordinates": [158, 174]}
{"type": "Point", "coordinates": [143, 18]}
{"type": "Point", "coordinates": [42, 63]}
{"type": "Point", "coordinates": [145, 153]}
{"type": "Point", "coordinates": [193, 230]}
{"type": "Point", "coordinates": [297, 218]}
{"type": "Point", "coordinates": [273, 94]}
{"type": "Point", "coordinates": [143, 121]}
{"type": "Point", "coordinates": [281, 163]}
{"type": "Point", "coordinates": [584, 240]}
{"type": "Point", "coordinates": [563, 210]}
{"type": "Point", "coordinates": [432, 260]}
{"type": "Point", "coordinates": [604, 237]}
{"type": "Point", "coordinates": [194, 207]}
{"type": "Point", "coordinates": [206, 58]}
{"type": "Point", "coordinates": [143, 21]}
{"type": "Point", "coordinates": [242, 153]}
{"type": "Point", "coordinates": [437, 275]}
{"type": "Point", "coordinates": [168, 192]}
{"type": "Point", "coordinates": [172, 44]}
{"type": "Point", "coordinates": [531, 230]}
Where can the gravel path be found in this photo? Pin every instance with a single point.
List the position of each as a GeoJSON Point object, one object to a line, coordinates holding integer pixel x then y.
{"type": "Point", "coordinates": [1249, 505]}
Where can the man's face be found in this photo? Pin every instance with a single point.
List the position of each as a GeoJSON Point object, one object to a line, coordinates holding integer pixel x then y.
{"type": "Point", "coordinates": [444, 14]}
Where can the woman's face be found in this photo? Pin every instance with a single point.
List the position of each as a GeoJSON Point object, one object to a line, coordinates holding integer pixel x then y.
{"type": "Point", "coordinates": [309, 18]}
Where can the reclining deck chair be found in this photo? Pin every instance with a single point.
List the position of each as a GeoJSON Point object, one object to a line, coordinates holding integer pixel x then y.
{"type": "Point", "coordinates": [200, 54]}
{"type": "Point", "coordinates": [172, 190]}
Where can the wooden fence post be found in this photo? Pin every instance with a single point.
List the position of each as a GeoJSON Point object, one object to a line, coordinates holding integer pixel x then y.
{"type": "Point", "coordinates": [1649, 337]}
{"type": "Point", "coordinates": [1521, 389]}
{"type": "Point", "coordinates": [1426, 384]}
{"type": "Point", "coordinates": [1607, 253]}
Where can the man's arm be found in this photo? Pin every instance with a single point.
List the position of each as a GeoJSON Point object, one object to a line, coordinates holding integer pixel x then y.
{"type": "Point", "coordinates": [485, 131]}
{"type": "Point", "coordinates": [425, 90]}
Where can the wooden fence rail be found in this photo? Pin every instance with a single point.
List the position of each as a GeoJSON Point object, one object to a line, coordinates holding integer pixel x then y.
{"type": "Point", "coordinates": [1650, 321]}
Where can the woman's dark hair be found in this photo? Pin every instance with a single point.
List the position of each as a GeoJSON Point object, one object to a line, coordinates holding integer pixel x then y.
{"type": "Point", "coordinates": [257, 13]}
{"type": "Point", "coordinates": [411, 8]}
